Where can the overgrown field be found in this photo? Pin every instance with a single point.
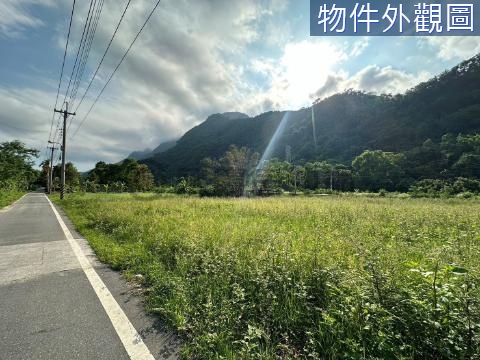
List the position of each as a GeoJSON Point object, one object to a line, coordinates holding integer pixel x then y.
{"type": "Point", "coordinates": [280, 278]}
{"type": "Point", "coordinates": [8, 197]}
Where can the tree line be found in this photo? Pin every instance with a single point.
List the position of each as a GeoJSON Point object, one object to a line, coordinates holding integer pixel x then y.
{"type": "Point", "coordinates": [18, 173]}
{"type": "Point", "coordinates": [449, 167]}
{"type": "Point", "coordinates": [127, 175]}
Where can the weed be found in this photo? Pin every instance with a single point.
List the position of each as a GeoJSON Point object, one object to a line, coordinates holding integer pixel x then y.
{"type": "Point", "coordinates": [330, 277]}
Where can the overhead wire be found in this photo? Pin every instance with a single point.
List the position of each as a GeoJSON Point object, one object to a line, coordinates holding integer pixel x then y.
{"type": "Point", "coordinates": [82, 66]}
{"type": "Point", "coordinates": [61, 74]}
{"type": "Point", "coordinates": [63, 65]}
{"type": "Point", "coordinates": [83, 36]}
{"type": "Point", "coordinates": [80, 48]}
{"type": "Point", "coordinates": [83, 51]}
{"type": "Point", "coordinates": [103, 57]}
{"type": "Point", "coordinates": [116, 68]}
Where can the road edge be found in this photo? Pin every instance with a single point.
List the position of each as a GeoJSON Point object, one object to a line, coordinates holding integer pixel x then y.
{"type": "Point", "coordinates": [8, 207]}
{"type": "Point", "coordinates": [130, 338]}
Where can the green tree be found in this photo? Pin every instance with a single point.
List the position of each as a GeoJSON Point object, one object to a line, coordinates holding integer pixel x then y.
{"type": "Point", "coordinates": [72, 176]}
{"type": "Point", "coordinates": [229, 175]}
{"type": "Point", "coordinates": [208, 170]}
{"type": "Point", "coordinates": [237, 164]}
{"type": "Point", "coordinates": [429, 160]}
{"type": "Point", "coordinates": [127, 175]}
{"type": "Point", "coordinates": [277, 176]}
{"type": "Point", "coordinates": [472, 142]}
{"type": "Point", "coordinates": [342, 178]}
{"type": "Point", "coordinates": [375, 170]}
{"type": "Point", "coordinates": [317, 174]}
{"type": "Point", "coordinates": [140, 178]}
{"type": "Point", "coordinates": [468, 165]}
{"type": "Point", "coordinates": [298, 178]}
{"type": "Point", "coordinates": [16, 165]}
{"type": "Point", "coordinates": [43, 175]}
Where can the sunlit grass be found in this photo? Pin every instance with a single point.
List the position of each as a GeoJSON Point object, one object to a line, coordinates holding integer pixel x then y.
{"type": "Point", "coordinates": [331, 277]}
{"type": "Point", "coordinates": [8, 197]}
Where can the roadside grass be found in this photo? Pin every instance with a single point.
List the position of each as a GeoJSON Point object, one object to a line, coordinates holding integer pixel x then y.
{"type": "Point", "coordinates": [8, 197]}
{"type": "Point", "coordinates": [282, 278]}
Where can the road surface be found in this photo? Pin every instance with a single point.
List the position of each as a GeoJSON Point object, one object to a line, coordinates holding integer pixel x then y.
{"type": "Point", "coordinates": [58, 302]}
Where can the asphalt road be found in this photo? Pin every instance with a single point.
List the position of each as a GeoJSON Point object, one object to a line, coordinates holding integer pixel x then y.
{"type": "Point", "coordinates": [58, 302]}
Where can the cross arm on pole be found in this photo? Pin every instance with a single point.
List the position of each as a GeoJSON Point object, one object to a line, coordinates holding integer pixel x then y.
{"type": "Point", "coordinates": [64, 112]}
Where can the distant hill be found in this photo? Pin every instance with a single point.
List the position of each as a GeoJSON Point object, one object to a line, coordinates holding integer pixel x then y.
{"type": "Point", "coordinates": [346, 124]}
{"type": "Point", "coordinates": [167, 145]}
{"type": "Point", "coordinates": [141, 155]}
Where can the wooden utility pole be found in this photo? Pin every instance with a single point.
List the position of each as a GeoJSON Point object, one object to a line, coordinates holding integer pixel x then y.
{"type": "Point", "coordinates": [64, 146]}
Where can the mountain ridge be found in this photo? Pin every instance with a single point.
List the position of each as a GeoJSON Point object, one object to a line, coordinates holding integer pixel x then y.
{"type": "Point", "coordinates": [346, 124]}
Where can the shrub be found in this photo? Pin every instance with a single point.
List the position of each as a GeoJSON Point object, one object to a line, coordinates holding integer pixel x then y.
{"type": "Point", "coordinates": [462, 185]}
{"type": "Point", "coordinates": [465, 195]}
{"type": "Point", "coordinates": [298, 278]}
{"type": "Point", "coordinates": [207, 190]}
{"type": "Point", "coordinates": [429, 188]}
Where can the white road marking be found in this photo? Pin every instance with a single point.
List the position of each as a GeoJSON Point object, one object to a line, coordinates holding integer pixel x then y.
{"type": "Point", "coordinates": [131, 339]}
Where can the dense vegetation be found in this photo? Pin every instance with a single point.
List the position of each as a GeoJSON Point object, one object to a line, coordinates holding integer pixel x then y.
{"type": "Point", "coordinates": [128, 175]}
{"type": "Point", "coordinates": [416, 125]}
{"type": "Point", "coordinates": [16, 170]}
{"type": "Point", "coordinates": [344, 277]}
{"type": "Point", "coordinates": [9, 196]}
{"type": "Point", "coordinates": [16, 166]}
{"type": "Point", "coordinates": [72, 176]}
{"type": "Point", "coordinates": [451, 167]}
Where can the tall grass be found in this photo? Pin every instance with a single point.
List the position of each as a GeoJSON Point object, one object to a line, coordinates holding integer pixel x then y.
{"type": "Point", "coordinates": [7, 197]}
{"type": "Point", "coordinates": [278, 278]}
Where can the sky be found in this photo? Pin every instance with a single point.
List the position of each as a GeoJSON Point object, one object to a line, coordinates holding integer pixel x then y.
{"type": "Point", "coordinates": [194, 58]}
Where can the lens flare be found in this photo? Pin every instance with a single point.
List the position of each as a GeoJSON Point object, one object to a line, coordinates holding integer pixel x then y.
{"type": "Point", "coordinates": [267, 154]}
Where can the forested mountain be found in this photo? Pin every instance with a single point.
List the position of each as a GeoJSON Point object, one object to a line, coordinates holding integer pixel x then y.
{"type": "Point", "coordinates": [147, 153]}
{"type": "Point", "coordinates": [346, 124]}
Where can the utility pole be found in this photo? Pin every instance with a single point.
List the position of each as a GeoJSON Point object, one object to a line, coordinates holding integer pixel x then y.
{"type": "Point", "coordinates": [48, 180]}
{"type": "Point", "coordinates": [331, 178]}
{"type": "Point", "coordinates": [64, 146]}
{"type": "Point", "coordinates": [314, 130]}
{"type": "Point", "coordinates": [50, 170]}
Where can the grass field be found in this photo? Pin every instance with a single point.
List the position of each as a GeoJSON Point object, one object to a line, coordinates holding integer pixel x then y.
{"type": "Point", "coordinates": [8, 197]}
{"type": "Point", "coordinates": [279, 278]}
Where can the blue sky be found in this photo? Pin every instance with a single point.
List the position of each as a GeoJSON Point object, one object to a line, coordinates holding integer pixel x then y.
{"type": "Point", "coordinates": [195, 58]}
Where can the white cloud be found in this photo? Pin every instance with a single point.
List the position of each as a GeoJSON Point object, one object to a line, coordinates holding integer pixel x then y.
{"type": "Point", "coordinates": [374, 79]}
{"type": "Point", "coordinates": [306, 65]}
{"type": "Point", "coordinates": [303, 68]}
{"type": "Point", "coordinates": [454, 47]}
{"type": "Point", "coordinates": [15, 17]}
{"type": "Point", "coordinates": [185, 66]}
{"type": "Point", "coordinates": [359, 47]}
{"type": "Point", "coordinates": [191, 61]}
{"type": "Point", "coordinates": [23, 116]}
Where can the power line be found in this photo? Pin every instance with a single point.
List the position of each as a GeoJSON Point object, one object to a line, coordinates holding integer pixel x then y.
{"type": "Point", "coordinates": [80, 46]}
{"type": "Point", "coordinates": [85, 44]}
{"type": "Point", "coordinates": [65, 114]}
{"type": "Point", "coordinates": [63, 66]}
{"type": "Point", "coordinates": [118, 65]}
{"type": "Point", "coordinates": [103, 57]}
{"type": "Point", "coordinates": [73, 94]}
